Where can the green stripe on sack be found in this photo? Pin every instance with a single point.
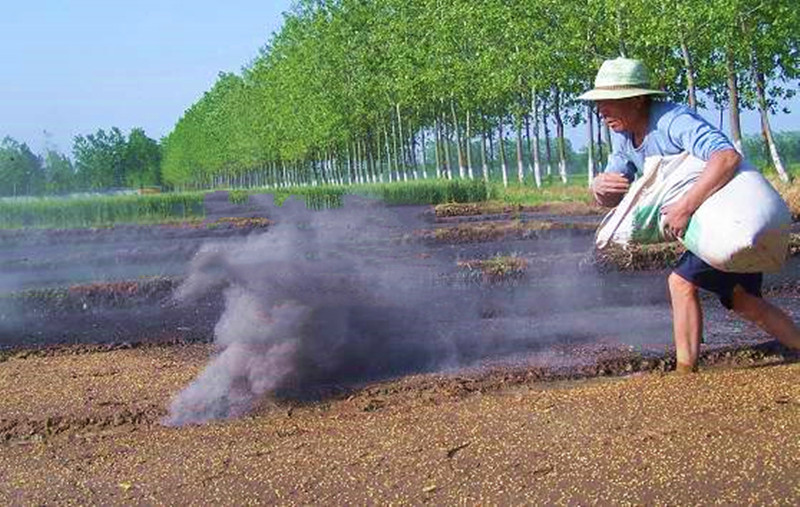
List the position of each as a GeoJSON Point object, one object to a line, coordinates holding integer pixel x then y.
{"type": "Point", "coordinates": [645, 227]}
{"type": "Point", "coordinates": [691, 238]}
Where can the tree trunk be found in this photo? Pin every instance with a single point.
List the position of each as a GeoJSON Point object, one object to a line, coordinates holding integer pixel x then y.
{"type": "Point", "coordinates": [424, 156]}
{"type": "Point", "coordinates": [501, 148]}
{"type": "Point", "coordinates": [548, 149]}
{"type": "Point", "coordinates": [436, 150]}
{"type": "Point", "coordinates": [283, 178]}
{"type": "Point", "coordinates": [412, 150]}
{"type": "Point", "coordinates": [358, 158]}
{"type": "Point", "coordinates": [687, 61]}
{"type": "Point", "coordinates": [733, 98]}
{"type": "Point", "coordinates": [763, 110]}
{"type": "Point", "coordinates": [468, 147]}
{"type": "Point", "coordinates": [359, 163]}
{"type": "Point", "coordinates": [402, 142]}
{"type": "Point", "coordinates": [590, 144]}
{"type": "Point", "coordinates": [537, 169]}
{"type": "Point", "coordinates": [520, 161]}
{"type": "Point", "coordinates": [447, 165]}
{"type": "Point", "coordinates": [527, 119]}
{"type": "Point", "coordinates": [461, 172]}
{"type": "Point", "coordinates": [561, 143]}
{"type": "Point", "coordinates": [373, 172]}
{"type": "Point", "coordinates": [388, 154]}
{"type": "Point", "coordinates": [484, 164]}
{"type": "Point", "coordinates": [599, 122]}
{"type": "Point", "coordinates": [610, 149]}
{"type": "Point", "coordinates": [623, 51]}
{"type": "Point", "coordinates": [346, 161]}
{"type": "Point", "coordinates": [395, 152]}
{"type": "Point", "coordinates": [490, 139]}
{"type": "Point", "coordinates": [332, 168]}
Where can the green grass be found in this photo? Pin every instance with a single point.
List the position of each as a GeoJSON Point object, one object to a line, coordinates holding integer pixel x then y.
{"type": "Point", "coordinates": [411, 192]}
{"type": "Point", "coordinates": [99, 211]}
{"type": "Point", "coordinates": [552, 192]}
{"type": "Point", "coordinates": [428, 191]}
{"type": "Point", "coordinates": [102, 211]}
{"type": "Point", "coordinates": [238, 196]}
{"type": "Point", "coordinates": [443, 191]}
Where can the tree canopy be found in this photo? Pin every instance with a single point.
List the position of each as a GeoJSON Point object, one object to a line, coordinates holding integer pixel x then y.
{"type": "Point", "coordinates": [353, 90]}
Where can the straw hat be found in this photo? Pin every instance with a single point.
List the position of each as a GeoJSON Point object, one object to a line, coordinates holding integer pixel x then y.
{"type": "Point", "coordinates": [621, 78]}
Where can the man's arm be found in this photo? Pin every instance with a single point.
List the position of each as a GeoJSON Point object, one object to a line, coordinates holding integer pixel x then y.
{"type": "Point", "coordinates": [718, 172]}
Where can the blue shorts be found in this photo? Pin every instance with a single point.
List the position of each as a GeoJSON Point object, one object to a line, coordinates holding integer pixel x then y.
{"type": "Point", "coordinates": [695, 270]}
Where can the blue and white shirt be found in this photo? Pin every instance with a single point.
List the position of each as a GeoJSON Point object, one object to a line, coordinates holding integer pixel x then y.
{"type": "Point", "coordinates": [672, 129]}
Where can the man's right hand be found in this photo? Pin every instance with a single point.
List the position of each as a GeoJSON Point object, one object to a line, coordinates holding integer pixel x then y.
{"type": "Point", "coordinates": [609, 188]}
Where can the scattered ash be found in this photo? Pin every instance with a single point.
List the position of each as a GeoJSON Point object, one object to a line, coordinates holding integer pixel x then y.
{"type": "Point", "coordinates": [346, 296]}
{"type": "Point", "coordinates": [322, 297]}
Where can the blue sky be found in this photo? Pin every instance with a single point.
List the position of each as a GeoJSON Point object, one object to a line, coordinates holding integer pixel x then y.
{"type": "Point", "coordinates": [70, 67]}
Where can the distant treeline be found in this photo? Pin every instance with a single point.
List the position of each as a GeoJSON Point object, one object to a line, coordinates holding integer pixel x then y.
{"type": "Point", "coordinates": [135, 162]}
{"type": "Point", "coordinates": [100, 161]}
{"type": "Point", "coordinates": [369, 90]}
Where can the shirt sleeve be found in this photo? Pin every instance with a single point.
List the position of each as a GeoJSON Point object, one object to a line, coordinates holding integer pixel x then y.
{"type": "Point", "coordinates": [690, 132]}
{"type": "Point", "coordinates": [619, 163]}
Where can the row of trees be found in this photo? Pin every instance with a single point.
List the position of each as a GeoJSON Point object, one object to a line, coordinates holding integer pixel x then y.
{"type": "Point", "coordinates": [103, 160]}
{"type": "Point", "coordinates": [358, 90]}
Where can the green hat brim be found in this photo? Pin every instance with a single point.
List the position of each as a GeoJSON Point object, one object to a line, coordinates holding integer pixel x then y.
{"type": "Point", "coordinates": [621, 93]}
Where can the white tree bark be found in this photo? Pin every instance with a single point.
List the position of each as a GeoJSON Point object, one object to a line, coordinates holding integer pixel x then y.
{"type": "Point", "coordinates": [537, 169]}
{"type": "Point", "coordinates": [502, 149]}
{"type": "Point", "coordinates": [590, 170]}
{"type": "Point", "coordinates": [765, 127]}
{"type": "Point", "coordinates": [468, 147]}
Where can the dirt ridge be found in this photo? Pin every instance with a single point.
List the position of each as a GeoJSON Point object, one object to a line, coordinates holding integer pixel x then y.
{"type": "Point", "coordinates": [110, 417]}
{"type": "Point", "coordinates": [19, 431]}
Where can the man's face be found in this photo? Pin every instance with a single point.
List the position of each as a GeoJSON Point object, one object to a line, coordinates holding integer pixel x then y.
{"type": "Point", "coordinates": [620, 114]}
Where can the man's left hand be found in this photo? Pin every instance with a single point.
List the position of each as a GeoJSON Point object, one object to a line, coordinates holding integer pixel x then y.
{"type": "Point", "coordinates": [676, 219]}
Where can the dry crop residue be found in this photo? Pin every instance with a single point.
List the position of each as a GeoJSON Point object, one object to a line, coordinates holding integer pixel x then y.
{"type": "Point", "coordinates": [724, 435]}
{"type": "Point", "coordinates": [496, 269]}
{"type": "Point", "coordinates": [79, 392]}
{"type": "Point", "coordinates": [497, 231]}
{"type": "Point", "coordinates": [492, 208]}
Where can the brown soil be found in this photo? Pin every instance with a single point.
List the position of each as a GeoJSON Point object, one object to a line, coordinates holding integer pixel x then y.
{"type": "Point", "coordinates": [82, 426]}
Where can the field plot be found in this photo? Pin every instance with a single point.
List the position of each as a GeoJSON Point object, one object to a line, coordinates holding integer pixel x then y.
{"type": "Point", "coordinates": [371, 353]}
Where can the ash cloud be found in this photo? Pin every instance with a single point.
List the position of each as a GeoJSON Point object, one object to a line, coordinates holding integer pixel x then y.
{"type": "Point", "coordinates": [335, 298]}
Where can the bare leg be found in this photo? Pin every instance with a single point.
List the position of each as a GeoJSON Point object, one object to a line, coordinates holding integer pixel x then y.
{"type": "Point", "coordinates": [687, 321]}
{"type": "Point", "coordinates": [767, 316]}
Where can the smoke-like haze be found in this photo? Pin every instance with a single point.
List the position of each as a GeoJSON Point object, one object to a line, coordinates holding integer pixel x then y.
{"type": "Point", "coordinates": [344, 296]}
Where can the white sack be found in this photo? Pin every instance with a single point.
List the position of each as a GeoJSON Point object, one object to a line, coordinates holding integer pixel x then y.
{"type": "Point", "coordinates": [743, 227]}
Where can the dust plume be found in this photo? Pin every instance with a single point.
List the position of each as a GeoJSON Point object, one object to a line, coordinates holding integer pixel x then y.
{"type": "Point", "coordinates": [334, 298]}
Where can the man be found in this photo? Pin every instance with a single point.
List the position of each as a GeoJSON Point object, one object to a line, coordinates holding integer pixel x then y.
{"type": "Point", "coordinates": [646, 127]}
